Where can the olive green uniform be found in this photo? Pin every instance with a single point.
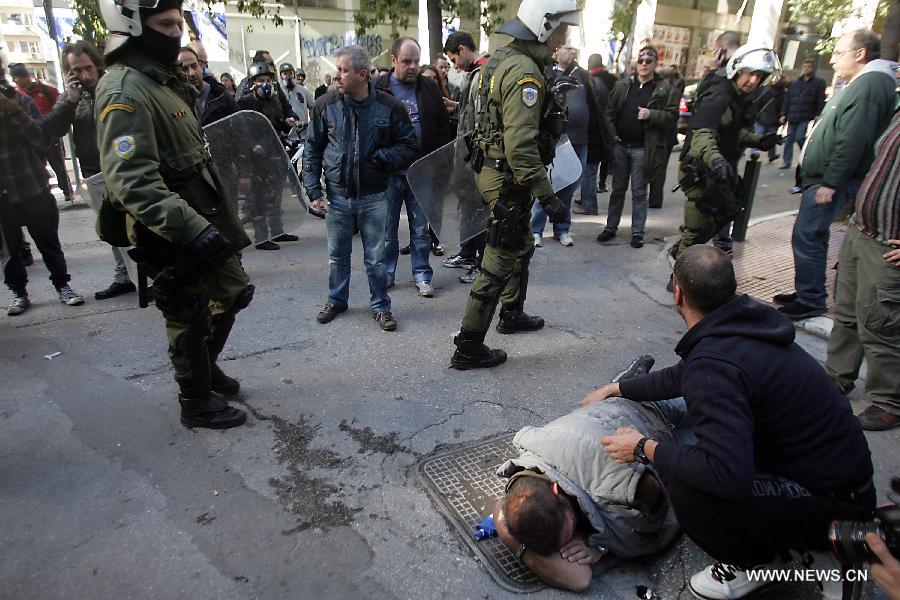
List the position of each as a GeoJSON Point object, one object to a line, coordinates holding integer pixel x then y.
{"type": "Point", "coordinates": [720, 128]}
{"type": "Point", "coordinates": [511, 96]}
{"type": "Point", "coordinates": [157, 170]}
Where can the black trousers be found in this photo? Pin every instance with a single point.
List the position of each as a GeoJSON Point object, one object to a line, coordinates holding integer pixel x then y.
{"type": "Point", "coordinates": [658, 183]}
{"type": "Point", "coordinates": [56, 159]}
{"type": "Point", "coordinates": [777, 516]}
{"type": "Point", "coordinates": [40, 216]}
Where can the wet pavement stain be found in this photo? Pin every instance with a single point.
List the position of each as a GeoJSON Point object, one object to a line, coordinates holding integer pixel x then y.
{"type": "Point", "coordinates": [315, 501]}
{"type": "Point", "coordinates": [371, 443]}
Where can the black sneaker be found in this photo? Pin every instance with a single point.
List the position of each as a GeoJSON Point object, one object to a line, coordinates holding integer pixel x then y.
{"type": "Point", "coordinates": [514, 321]}
{"type": "Point", "coordinates": [115, 289]}
{"type": "Point", "coordinates": [470, 275]}
{"type": "Point", "coordinates": [405, 250]}
{"type": "Point", "coordinates": [68, 296]}
{"type": "Point", "coordinates": [797, 311]}
{"type": "Point", "coordinates": [437, 249]}
{"type": "Point", "coordinates": [212, 413]}
{"type": "Point", "coordinates": [784, 298]}
{"type": "Point", "coordinates": [221, 383]}
{"type": "Point", "coordinates": [637, 241]}
{"type": "Point", "coordinates": [268, 245]}
{"type": "Point", "coordinates": [286, 237]}
{"type": "Point", "coordinates": [606, 235]}
{"type": "Point", "coordinates": [601, 189]}
{"type": "Point", "coordinates": [385, 320]}
{"type": "Point", "coordinates": [457, 261]}
{"type": "Point", "coordinates": [329, 312]}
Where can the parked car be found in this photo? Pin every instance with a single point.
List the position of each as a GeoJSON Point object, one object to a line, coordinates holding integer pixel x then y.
{"type": "Point", "coordinates": [685, 107]}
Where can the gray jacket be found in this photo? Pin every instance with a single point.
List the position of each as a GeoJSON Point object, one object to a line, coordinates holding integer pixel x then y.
{"type": "Point", "coordinates": [568, 451]}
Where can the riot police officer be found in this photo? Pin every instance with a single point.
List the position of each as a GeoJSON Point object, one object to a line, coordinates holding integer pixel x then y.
{"type": "Point", "coordinates": [720, 127]}
{"type": "Point", "coordinates": [512, 143]}
{"type": "Point", "coordinates": [184, 231]}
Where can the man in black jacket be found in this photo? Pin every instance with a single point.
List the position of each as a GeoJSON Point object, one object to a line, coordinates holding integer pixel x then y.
{"type": "Point", "coordinates": [803, 102]}
{"type": "Point", "coordinates": [213, 102]}
{"type": "Point", "coordinates": [779, 454]}
{"type": "Point", "coordinates": [423, 101]}
{"type": "Point", "coordinates": [84, 67]}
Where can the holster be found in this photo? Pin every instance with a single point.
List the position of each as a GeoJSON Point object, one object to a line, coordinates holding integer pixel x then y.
{"type": "Point", "coordinates": [505, 225]}
{"type": "Point", "coordinates": [171, 267]}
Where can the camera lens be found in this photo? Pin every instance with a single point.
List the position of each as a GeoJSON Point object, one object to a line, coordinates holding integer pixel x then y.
{"type": "Point", "coordinates": [848, 540]}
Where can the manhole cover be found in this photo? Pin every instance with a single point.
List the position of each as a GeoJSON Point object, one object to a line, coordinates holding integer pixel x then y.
{"type": "Point", "coordinates": [465, 485]}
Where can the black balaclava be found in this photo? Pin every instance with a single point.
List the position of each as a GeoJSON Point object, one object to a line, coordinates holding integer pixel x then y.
{"type": "Point", "coordinates": [154, 44]}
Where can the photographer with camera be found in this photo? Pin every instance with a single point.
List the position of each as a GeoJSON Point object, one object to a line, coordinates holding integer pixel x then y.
{"type": "Point", "coordinates": [779, 455]}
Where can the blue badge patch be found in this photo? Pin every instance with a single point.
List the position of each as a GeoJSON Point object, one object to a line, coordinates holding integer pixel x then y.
{"type": "Point", "coordinates": [529, 96]}
{"type": "Point", "coordinates": [124, 146]}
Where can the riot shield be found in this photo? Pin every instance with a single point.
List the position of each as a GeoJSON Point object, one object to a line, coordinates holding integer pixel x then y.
{"type": "Point", "coordinates": [444, 186]}
{"type": "Point", "coordinates": [250, 159]}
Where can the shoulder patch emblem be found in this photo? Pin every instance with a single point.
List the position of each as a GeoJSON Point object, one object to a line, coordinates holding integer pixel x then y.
{"type": "Point", "coordinates": [529, 96]}
{"type": "Point", "coordinates": [530, 79]}
{"type": "Point", "coordinates": [124, 146]}
{"type": "Point", "coordinates": [115, 106]}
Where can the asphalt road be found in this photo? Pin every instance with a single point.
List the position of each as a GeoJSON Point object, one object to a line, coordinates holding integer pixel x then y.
{"type": "Point", "coordinates": [104, 495]}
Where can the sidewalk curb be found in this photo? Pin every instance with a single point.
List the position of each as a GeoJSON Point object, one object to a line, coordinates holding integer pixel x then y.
{"type": "Point", "coordinates": [817, 326]}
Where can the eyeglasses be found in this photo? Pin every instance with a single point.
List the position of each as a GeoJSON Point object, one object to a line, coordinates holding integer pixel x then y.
{"type": "Point", "coordinates": [646, 61]}
{"type": "Point", "coordinates": [842, 52]}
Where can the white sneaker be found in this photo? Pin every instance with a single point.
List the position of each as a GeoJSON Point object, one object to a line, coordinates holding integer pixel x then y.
{"type": "Point", "coordinates": [728, 582]}
{"type": "Point", "coordinates": [566, 240]}
{"type": "Point", "coordinates": [828, 563]}
{"type": "Point", "coordinates": [537, 240]}
{"type": "Point", "coordinates": [425, 289]}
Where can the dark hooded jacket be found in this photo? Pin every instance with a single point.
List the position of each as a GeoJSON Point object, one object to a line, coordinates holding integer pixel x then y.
{"type": "Point", "coordinates": [219, 104]}
{"type": "Point", "coordinates": [759, 404]}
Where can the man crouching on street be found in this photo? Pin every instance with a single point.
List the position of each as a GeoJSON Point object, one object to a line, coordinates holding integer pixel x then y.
{"type": "Point", "coordinates": [567, 504]}
{"type": "Point", "coordinates": [779, 454]}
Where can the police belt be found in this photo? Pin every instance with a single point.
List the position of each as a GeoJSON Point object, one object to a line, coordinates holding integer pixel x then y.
{"type": "Point", "coordinates": [498, 164]}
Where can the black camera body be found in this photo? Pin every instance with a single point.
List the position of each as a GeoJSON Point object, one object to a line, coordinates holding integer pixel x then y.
{"type": "Point", "coordinates": [7, 90]}
{"type": "Point", "coordinates": [848, 538]}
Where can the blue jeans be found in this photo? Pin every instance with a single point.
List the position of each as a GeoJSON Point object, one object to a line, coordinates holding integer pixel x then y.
{"type": "Point", "coordinates": [809, 241]}
{"type": "Point", "coordinates": [680, 424]}
{"type": "Point", "coordinates": [398, 193]}
{"type": "Point", "coordinates": [589, 185]}
{"type": "Point", "coordinates": [628, 163]}
{"type": "Point", "coordinates": [796, 132]}
{"type": "Point", "coordinates": [760, 129]}
{"type": "Point", "coordinates": [539, 217]}
{"type": "Point", "coordinates": [369, 213]}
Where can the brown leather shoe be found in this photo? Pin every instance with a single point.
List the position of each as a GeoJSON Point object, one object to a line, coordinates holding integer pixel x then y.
{"type": "Point", "coordinates": [877, 419]}
{"type": "Point", "coordinates": [385, 320]}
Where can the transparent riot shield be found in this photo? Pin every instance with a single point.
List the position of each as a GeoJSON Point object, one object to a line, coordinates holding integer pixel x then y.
{"type": "Point", "coordinates": [444, 186]}
{"type": "Point", "coordinates": [250, 159]}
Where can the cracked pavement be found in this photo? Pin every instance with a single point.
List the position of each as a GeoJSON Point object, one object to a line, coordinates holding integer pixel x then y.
{"type": "Point", "coordinates": [105, 495]}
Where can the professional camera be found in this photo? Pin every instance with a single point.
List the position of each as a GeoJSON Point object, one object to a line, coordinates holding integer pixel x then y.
{"type": "Point", "coordinates": [848, 538]}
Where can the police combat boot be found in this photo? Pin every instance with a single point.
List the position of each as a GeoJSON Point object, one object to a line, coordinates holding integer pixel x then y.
{"type": "Point", "coordinates": [471, 353]}
{"type": "Point", "coordinates": [516, 320]}
{"type": "Point", "coordinates": [221, 383]}
{"type": "Point", "coordinates": [200, 409]}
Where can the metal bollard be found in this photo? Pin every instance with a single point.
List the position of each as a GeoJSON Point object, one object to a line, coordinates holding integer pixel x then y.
{"type": "Point", "coordinates": [745, 199]}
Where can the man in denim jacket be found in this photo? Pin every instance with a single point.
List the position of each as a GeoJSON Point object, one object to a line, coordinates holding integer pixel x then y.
{"type": "Point", "coordinates": [357, 137]}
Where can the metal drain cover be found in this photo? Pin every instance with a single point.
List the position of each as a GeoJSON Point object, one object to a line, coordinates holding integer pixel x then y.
{"type": "Point", "coordinates": [465, 485]}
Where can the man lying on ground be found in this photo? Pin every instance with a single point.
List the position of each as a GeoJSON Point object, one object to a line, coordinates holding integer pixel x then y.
{"type": "Point", "coordinates": [568, 504]}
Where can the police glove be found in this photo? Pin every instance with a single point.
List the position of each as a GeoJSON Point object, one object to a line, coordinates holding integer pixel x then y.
{"type": "Point", "coordinates": [769, 141]}
{"type": "Point", "coordinates": [723, 172]}
{"type": "Point", "coordinates": [210, 246]}
{"type": "Point", "coordinates": [555, 209]}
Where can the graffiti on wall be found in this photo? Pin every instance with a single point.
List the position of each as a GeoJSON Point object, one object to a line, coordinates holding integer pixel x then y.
{"type": "Point", "coordinates": [328, 45]}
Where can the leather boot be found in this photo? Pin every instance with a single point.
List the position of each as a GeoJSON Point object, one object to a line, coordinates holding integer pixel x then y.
{"type": "Point", "coordinates": [200, 409]}
{"type": "Point", "coordinates": [471, 353]}
{"type": "Point", "coordinates": [516, 320]}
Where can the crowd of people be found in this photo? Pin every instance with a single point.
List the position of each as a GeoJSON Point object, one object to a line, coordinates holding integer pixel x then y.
{"type": "Point", "coordinates": [770, 459]}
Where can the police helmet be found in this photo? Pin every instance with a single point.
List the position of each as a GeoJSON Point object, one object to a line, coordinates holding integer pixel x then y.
{"type": "Point", "coordinates": [752, 58]}
{"type": "Point", "coordinates": [285, 67]}
{"type": "Point", "coordinates": [123, 18]}
{"type": "Point", "coordinates": [536, 20]}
